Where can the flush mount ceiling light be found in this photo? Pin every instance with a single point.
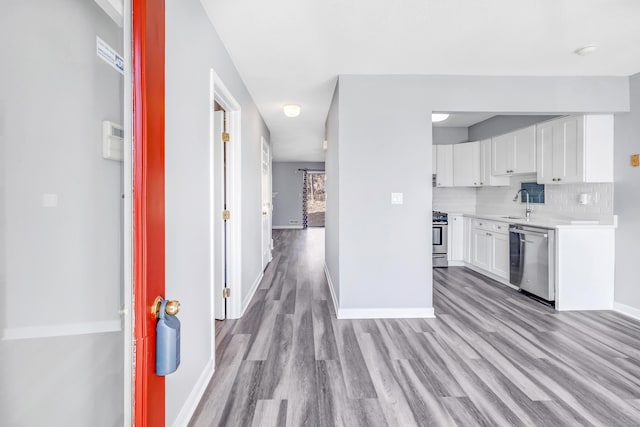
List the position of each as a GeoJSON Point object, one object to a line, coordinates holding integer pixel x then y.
{"type": "Point", "coordinates": [291, 110]}
{"type": "Point", "coordinates": [586, 50]}
{"type": "Point", "coordinates": [439, 117]}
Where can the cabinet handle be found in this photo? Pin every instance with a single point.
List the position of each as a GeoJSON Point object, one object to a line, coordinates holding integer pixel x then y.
{"type": "Point", "coordinates": [488, 234]}
{"type": "Point", "coordinates": [475, 183]}
{"type": "Point", "coordinates": [482, 183]}
{"type": "Point", "coordinates": [554, 179]}
{"type": "Point", "coordinates": [558, 179]}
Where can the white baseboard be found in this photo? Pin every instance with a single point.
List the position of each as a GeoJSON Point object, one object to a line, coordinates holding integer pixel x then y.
{"type": "Point", "coordinates": [489, 275]}
{"type": "Point", "coordinates": [61, 330]}
{"type": "Point", "coordinates": [386, 313]}
{"type": "Point", "coordinates": [287, 227]}
{"type": "Point", "coordinates": [254, 287]}
{"type": "Point", "coordinates": [190, 405]}
{"type": "Point", "coordinates": [331, 288]}
{"type": "Point", "coordinates": [627, 310]}
{"type": "Point", "coordinates": [456, 263]}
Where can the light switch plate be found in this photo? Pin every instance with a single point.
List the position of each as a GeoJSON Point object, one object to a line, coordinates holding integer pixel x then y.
{"type": "Point", "coordinates": [396, 198]}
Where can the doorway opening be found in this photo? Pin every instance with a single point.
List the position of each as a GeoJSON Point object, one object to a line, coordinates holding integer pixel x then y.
{"type": "Point", "coordinates": [225, 203]}
{"type": "Point", "coordinates": [314, 199]}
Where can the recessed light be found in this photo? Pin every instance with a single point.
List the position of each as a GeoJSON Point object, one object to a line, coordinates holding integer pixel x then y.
{"type": "Point", "coordinates": [586, 50]}
{"type": "Point", "coordinates": [439, 117]}
{"type": "Point", "coordinates": [291, 110]}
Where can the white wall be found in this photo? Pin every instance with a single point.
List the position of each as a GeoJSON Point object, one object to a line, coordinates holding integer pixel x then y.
{"type": "Point", "coordinates": [453, 135]}
{"type": "Point", "coordinates": [627, 189]}
{"type": "Point", "coordinates": [385, 250]}
{"type": "Point", "coordinates": [60, 267]}
{"type": "Point", "coordinates": [193, 48]}
{"type": "Point", "coordinates": [332, 189]}
{"type": "Point", "coordinates": [501, 124]}
{"type": "Point", "coordinates": [287, 192]}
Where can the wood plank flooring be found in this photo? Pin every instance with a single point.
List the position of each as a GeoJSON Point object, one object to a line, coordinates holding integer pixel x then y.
{"type": "Point", "coordinates": [492, 357]}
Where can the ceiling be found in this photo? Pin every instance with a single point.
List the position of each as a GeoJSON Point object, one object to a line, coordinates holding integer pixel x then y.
{"type": "Point", "coordinates": [463, 120]}
{"type": "Point", "coordinates": [291, 51]}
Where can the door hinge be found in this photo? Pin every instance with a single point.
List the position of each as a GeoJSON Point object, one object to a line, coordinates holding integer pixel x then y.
{"type": "Point", "coordinates": [226, 292]}
{"type": "Point", "coordinates": [226, 215]}
{"type": "Point", "coordinates": [225, 137]}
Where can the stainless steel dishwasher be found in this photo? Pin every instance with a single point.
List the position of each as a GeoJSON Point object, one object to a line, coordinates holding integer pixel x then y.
{"type": "Point", "coordinates": [532, 260]}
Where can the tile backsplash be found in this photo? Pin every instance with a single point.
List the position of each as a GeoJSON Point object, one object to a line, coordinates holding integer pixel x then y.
{"type": "Point", "coordinates": [454, 199]}
{"type": "Point", "coordinates": [561, 201]}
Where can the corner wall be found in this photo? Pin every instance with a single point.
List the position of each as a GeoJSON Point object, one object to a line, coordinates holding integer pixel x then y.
{"type": "Point", "coordinates": [385, 250]}
{"type": "Point", "coordinates": [627, 207]}
{"type": "Point", "coordinates": [332, 188]}
{"type": "Point", "coordinates": [193, 48]}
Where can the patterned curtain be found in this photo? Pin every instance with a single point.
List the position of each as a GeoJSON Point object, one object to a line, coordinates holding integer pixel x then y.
{"type": "Point", "coordinates": [305, 209]}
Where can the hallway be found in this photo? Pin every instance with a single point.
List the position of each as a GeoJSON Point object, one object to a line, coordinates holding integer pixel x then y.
{"type": "Point", "coordinates": [492, 357]}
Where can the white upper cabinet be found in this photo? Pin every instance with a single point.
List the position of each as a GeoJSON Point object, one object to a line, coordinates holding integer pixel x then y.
{"type": "Point", "coordinates": [575, 149]}
{"type": "Point", "coordinates": [434, 164]}
{"type": "Point", "coordinates": [444, 165]}
{"type": "Point", "coordinates": [487, 179]}
{"type": "Point", "coordinates": [514, 152]}
{"type": "Point", "coordinates": [466, 164]}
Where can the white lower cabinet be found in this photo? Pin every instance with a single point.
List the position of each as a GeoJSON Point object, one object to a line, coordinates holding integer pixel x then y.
{"type": "Point", "coordinates": [490, 247]}
{"type": "Point", "coordinates": [500, 255]}
{"type": "Point", "coordinates": [456, 238]}
{"type": "Point", "coordinates": [480, 250]}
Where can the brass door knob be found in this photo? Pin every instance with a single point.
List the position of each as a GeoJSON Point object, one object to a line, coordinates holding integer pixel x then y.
{"type": "Point", "coordinates": [172, 308]}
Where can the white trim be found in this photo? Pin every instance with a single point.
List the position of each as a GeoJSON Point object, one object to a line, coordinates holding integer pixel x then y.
{"type": "Point", "coordinates": [113, 8]}
{"type": "Point", "coordinates": [61, 330]}
{"type": "Point", "coordinates": [190, 405]}
{"type": "Point", "coordinates": [286, 227]}
{"type": "Point", "coordinates": [452, 263]}
{"type": "Point", "coordinates": [331, 288]}
{"type": "Point", "coordinates": [490, 275]}
{"type": "Point", "coordinates": [247, 299]}
{"type": "Point", "coordinates": [127, 226]}
{"type": "Point", "coordinates": [627, 310]}
{"type": "Point", "coordinates": [386, 313]}
{"type": "Point", "coordinates": [234, 190]}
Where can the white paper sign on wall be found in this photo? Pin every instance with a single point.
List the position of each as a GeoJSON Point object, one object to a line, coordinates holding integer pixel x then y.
{"type": "Point", "coordinates": [109, 55]}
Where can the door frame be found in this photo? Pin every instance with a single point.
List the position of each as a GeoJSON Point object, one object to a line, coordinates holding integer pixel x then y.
{"type": "Point", "coordinates": [263, 142]}
{"type": "Point", "coordinates": [127, 225]}
{"type": "Point", "coordinates": [223, 96]}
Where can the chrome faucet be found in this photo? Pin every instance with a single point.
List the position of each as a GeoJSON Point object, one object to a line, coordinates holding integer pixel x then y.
{"type": "Point", "coordinates": [528, 209]}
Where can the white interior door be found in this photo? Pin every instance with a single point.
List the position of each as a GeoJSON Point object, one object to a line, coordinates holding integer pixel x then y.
{"type": "Point", "coordinates": [219, 249]}
{"type": "Point", "coordinates": [266, 204]}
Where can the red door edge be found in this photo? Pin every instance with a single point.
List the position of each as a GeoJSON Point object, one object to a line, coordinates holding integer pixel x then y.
{"type": "Point", "coordinates": [148, 38]}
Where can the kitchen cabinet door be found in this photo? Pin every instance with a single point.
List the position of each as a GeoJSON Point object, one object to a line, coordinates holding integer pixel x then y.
{"type": "Point", "coordinates": [487, 179]}
{"type": "Point", "coordinates": [575, 149]}
{"type": "Point", "coordinates": [434, 162]}
{"type": "Point", "coordinates": [480, 249]}
{"type": "Point", "coordinates": [456, 238]}
{"type": "Point", "coordinates": [444, 167]}
{"type": "Point", "coordinates": [500, 164]}
{"type": "Point", "coordinates": [523, 155]}
{"type": "Point", "coordinates": [499, 245]}
{"type": "Point", "coordinates": [466, 164]}
{"type": "Point", "coordinates": [514, 152]}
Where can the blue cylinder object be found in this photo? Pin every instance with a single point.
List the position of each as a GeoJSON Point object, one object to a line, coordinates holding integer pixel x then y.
{"type": "Point", "coordinates": [167, 342]}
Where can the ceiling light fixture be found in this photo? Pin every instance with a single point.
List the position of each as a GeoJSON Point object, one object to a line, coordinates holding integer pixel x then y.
{"type": "Point", "coordinates": [291, 110]}
{"type": "Point", "coordinates": [439, 117]}
{"type": "Point", "coordinates": [586, 50]}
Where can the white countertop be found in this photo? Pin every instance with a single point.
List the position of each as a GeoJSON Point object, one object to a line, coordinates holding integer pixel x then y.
{"type": "Point", "coordinates": [552, 223]}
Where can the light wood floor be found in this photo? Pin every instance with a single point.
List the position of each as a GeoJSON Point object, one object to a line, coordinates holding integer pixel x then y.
{"type": "Point", "coordinates": [491, 357]}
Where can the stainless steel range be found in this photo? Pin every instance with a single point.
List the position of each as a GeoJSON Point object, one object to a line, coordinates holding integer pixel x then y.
{"type": "Point", "coordinates": [440, 223]}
